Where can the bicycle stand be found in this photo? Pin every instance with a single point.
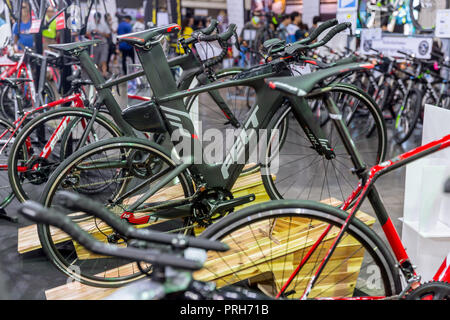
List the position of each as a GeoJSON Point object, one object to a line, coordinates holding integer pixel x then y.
{"type": "Point", "coordinates": [4, 216]}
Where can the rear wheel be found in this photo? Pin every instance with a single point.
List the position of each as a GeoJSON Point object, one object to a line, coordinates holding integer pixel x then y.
{"type": "Point", "coordinates": [124, 168]}
{"type": "Point", "coordinates": [268, 241]}
{"type": "Point", "coordinates": [42, 156]}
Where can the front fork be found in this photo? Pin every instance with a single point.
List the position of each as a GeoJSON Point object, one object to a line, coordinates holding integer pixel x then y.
{"type": "Point", "coordinates": [305, 117]}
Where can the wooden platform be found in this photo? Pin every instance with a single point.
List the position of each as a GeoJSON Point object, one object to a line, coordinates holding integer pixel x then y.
{"type": "Point", "coordinates": [273, 251]}
{"type": "Point", "coordinates": [28, 239]}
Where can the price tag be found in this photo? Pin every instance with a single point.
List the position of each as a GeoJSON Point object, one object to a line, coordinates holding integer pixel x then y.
{"type": "Point", "coordinates": [208, 50]}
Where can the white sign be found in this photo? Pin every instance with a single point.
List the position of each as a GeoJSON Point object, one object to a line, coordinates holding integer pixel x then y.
{"type": "Point", "coordinates": [348, 16]}
{"type": "Point", "coordinates": [208, 50]}
{"type": "Point", "coordinates": [372, 34]}
{"type": "Point", "coordinates": [249, 34]}
{"type": "Point", "coordinates": [443, 24]}
{"type": "Point", "coordinates": [235, 13]}
{"type": "Point", "coordinates": [162, 19]}
{"type": "Point", "coordinates": [347, 5]}
{"type": "Point", "coordinates": [390, 45]}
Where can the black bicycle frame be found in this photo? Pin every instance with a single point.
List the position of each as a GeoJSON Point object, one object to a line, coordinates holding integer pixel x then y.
{"type": "Point", "coordinates": [170, 101]}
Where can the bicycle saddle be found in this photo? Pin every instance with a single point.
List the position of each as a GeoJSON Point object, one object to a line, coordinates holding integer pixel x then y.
{"type": "Point", "coordinates": [302, 85]}
{"type": "Point", "coordinates": [142, 37]}
{"type": "Point", "coordinates": [73, 45]}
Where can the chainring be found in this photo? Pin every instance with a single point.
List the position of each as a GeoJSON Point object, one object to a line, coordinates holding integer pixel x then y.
{"type": "Point", "coordinates": [433, 290]}
{"type": "Point", "coordinates": [202, 214]}
{"type": "Point", "coordinates": [143, 166]}
{"type": "Point", "coordinates": [40, 175]}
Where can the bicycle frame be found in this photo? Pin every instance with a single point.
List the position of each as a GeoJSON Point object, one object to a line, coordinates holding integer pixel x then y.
{"type": "Point", "coordinates": [171, 105]}
{"type": "Point", "coordinates": [366, 188]}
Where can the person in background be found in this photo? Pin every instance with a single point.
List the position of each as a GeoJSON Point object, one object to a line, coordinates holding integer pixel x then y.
{"type": "Point", "coordinates": [223, 20]}
{"type": "Point", "coordinates": [23, 38]}
{"type": "Point", "coordinates": [316, 21]}
{"type": "Point", "coordinates": [282, 28]}
{"type": "Point", "coordinates": [112, 47]}
{"type": "Point", "coordinates": [100, 31]}
{"type": "Point", "coordinates": [126, 49]}
{"type": "Point", "coordinates": [139, 25]}
{"type": "Point", "coordinates": [186, 30]}
{"type": "Point", "coordinates": [199, 23]}
{"type": "Point", "coordinates": [49, 35]}
{"type": "Point", "coordinates": [296, 29]}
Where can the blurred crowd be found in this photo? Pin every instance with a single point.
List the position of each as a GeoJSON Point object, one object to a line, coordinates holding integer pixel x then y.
{"type": "Point", "coordinates": [261, 26]}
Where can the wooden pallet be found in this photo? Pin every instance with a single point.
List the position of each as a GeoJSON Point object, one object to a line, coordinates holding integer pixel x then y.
{"type": "Point", "coordinates": [256, 269]}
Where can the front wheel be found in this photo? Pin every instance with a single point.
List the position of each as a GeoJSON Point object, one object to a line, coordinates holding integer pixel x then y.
{"type": "Point", "coordinates": [293, 169]}
{"type": "Point", "coordinates": [269, 241]}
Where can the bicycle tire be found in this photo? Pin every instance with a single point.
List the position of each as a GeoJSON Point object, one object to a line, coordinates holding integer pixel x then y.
{"type": "Point", "coordinates": [58, 253]}
{"type": "Point", "coordinates": [8, 111]}
{"type": "Point", "coordinates": [16, 178]}
{"type": "Point", "coordinates": [415, 20]}
{"type": "Point", "coordinates": [414, 116]}
{"type": "Point", "coordinates": [6, 128]}
{"type": "Point", "coordinates": [263, 226]}
{"type": "Point", "coordinates": [331, 180]}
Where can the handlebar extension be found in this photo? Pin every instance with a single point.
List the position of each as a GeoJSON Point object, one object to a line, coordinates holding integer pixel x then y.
{"type": "Point", "coordinates": [37, 213]}
{"type": "Point", "coordinates": [77, 202]}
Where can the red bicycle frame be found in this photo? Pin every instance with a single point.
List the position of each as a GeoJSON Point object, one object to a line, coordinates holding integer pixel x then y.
{"type": "Point", "coordinates": [364, 189]}
{"type": "Point", "coordinates": [74, 98]}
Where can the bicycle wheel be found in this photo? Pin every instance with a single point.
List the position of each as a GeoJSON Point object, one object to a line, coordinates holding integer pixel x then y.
{"type": "Point", "coordinates": [407, 116]}
{"type": "Point", "coordinates": [212, 120]}
{"type": "Point", "coordinates": [294, 170]}
{"type": "Point", "coordinates": [375, 13]}
{"type": "Point", "coordinates": [269, 240]}
{"type": "Point", "coordinates": [7, 99]}
{"type": "Point", "coordinates": [423, 13]}
{"type": "Point", "coordinates": [47, 147]}
{"type": "Point", "coordinates": [7, 137]}
{"type": "Point", "coordinates": [127, 167]}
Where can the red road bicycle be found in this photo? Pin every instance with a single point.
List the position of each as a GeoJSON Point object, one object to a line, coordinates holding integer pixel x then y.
{"type": "Point", "coordinates": [309, 250]}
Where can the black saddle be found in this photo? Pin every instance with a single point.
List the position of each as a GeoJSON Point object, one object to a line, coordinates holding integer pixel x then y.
{"type": "Point", "coordinates": [302, 85]}
{"type": "Point", "coordinates": [142, 37]}
{"type": "Point", "coordinates": [74, 45]}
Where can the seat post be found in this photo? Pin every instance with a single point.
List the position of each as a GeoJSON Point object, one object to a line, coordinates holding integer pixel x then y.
{"type": "Point", "coordinates": [105, 94]}
{"type": "Point", "coordinates": [157, 70]}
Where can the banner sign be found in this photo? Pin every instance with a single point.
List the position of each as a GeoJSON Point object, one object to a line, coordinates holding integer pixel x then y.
{"type": "Point", "coordinates": [61, 21]}
{"type": "Point", "coordinates": [443, 24]}
{"type": "Point", "coordinates": [390, 45]}
{"type": "Point", "coordinates": [349, 5]}
{"type": "Point", "coordinates": [372, 34]}
{"type": "Point", "coordinates": [348, 16]}
{"type": "Point", "coordinates": [35, 25]}
{"type": "Point", "coordinates": [5, 26]}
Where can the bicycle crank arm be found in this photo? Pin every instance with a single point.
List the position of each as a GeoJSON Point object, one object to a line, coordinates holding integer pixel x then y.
{"type": "Point", "coordinates": [227, 205]}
